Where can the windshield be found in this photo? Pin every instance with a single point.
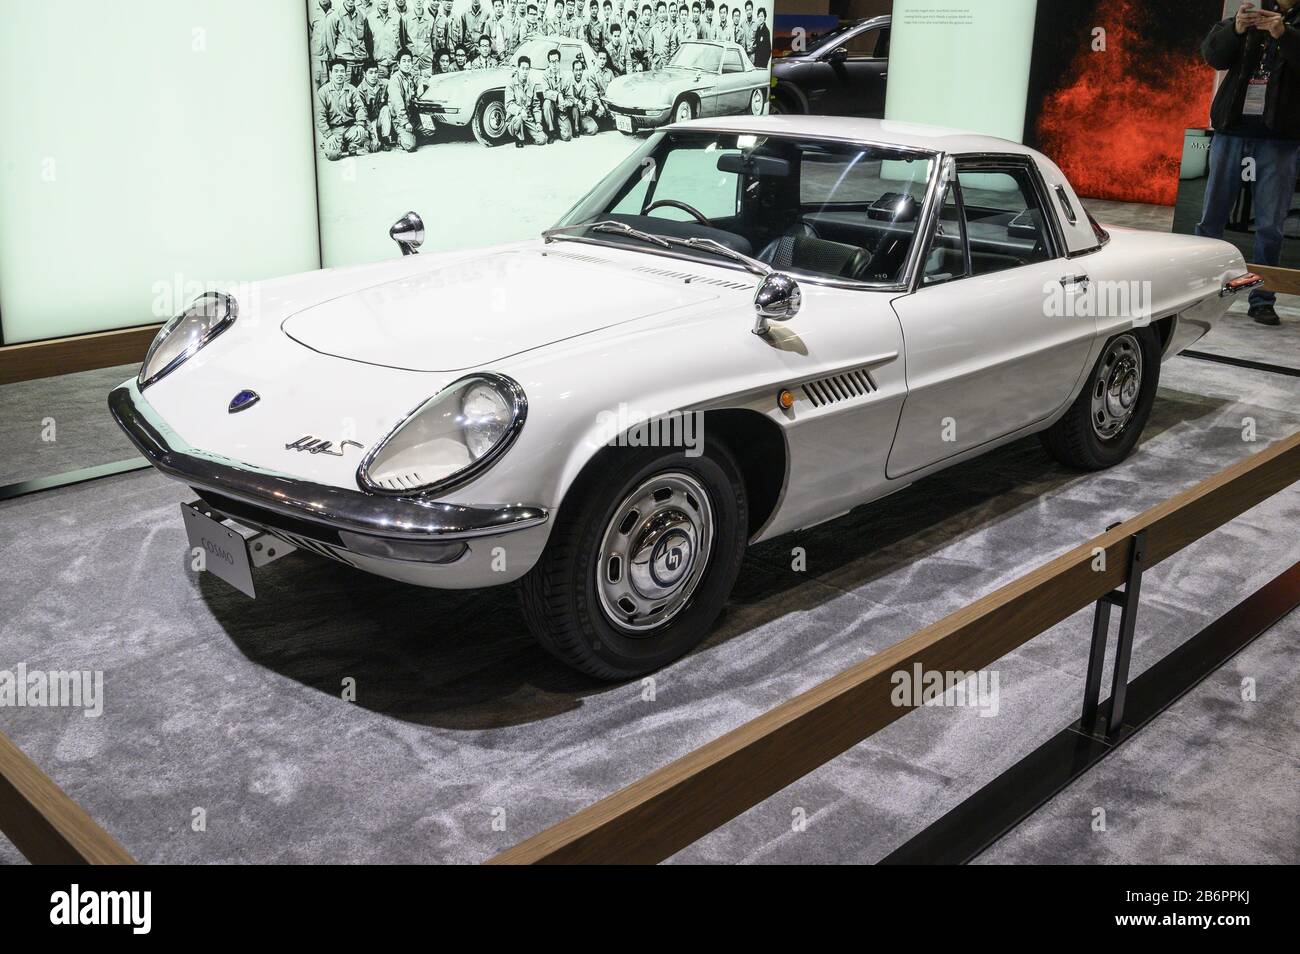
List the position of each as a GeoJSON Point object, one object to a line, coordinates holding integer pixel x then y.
{"type": "Point", "coordinates": [824, 41]}
{"type": "Point", "coordinates": [537, 49]}
{"type": "Point", "coordinates": [814, 207]}
{"type": "Point", "coordinates": [697, 56]}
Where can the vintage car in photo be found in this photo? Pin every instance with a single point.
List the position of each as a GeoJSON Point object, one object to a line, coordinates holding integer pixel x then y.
{"type": "Point", "coordinates": [842, 73]}
{"type": "Point", "coordinates": [476, 98]}
{"type": "Point", "coordinates": [748, 327]}
{"type": "Point", "coordinates": [704, 78]}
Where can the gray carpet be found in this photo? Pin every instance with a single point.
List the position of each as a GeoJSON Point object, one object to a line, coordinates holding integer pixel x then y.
{"type": "Point", "coordinates": [230, 705]}
{"type": "Point", "coordinates": [84, 434]}
{"type": "Point", "coordinates": [1228, 770]}
{"type": "Point", "coordinates": [1238, 336]}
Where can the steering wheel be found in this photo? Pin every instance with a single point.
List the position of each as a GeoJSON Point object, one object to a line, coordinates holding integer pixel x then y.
{"type": "Point", "coordinates": [675, 204]}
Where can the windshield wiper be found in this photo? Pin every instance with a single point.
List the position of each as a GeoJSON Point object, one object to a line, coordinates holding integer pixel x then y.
{"type": "Point", "coordinates": [713, 245]}
{"type": "Point", "coordinates": [664, 241]}
{"type": "Point", "coordinates": [624, 229]}
{"type": "Point", "coordinates": [608, 225]}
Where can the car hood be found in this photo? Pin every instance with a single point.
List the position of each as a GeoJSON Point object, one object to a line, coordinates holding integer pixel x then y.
{"type": "Point", "coordinates": [651, 88]}
{"type": "Point", "coordinates": [445, 86]}
{"type": "Point", "coordinates": [477, 310]}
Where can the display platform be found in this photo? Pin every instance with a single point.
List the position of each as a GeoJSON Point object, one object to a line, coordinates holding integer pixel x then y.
{"type": "Point", "coordinates": [56, 425]}
{"type": "Point", "coordinates": [465, 737]}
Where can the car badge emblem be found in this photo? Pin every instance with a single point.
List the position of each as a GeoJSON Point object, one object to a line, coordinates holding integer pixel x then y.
{"type": "Point", "coordinates": [315, 445]}
{"type": "Point", "coordinates": [243, 400]}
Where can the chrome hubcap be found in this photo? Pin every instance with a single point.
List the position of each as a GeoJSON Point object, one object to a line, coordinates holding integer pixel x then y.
{"type": "Point", "coordinates": [756, 103]}
{"type": "Point", "coordinates": [654, 551]}
{"type": "Point", "coordinates": [1116, 387]}
{"type": "Point", "coordinates": [683, 112]}
{"type": "Point", "coordinates": [494, 118]}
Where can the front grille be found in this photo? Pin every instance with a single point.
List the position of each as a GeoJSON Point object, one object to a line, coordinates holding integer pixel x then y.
{"type": "Point", "coordinates": [306, 543]}
{"type": "Point", "coordinates": [839, 387]}
{"type": "Point", "coordinates": [408, 480]}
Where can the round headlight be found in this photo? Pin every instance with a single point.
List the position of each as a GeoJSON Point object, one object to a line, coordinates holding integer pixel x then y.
{"type": "Point", "coordinates": [449, 439]}
{"type": "Point", "coordinates": [178, 340]}
{"type": "Point", "coordinates": [488, 414]}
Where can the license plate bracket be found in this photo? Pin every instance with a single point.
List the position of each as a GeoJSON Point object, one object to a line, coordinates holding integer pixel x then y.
{"type": "Point", "coordinates": [225, 551]}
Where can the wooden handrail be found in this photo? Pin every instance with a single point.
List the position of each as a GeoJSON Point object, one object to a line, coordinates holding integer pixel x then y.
{"type": "Point", "coordinates": [667, 810]}
{"type": "Point", "coordinates": [47, 826]}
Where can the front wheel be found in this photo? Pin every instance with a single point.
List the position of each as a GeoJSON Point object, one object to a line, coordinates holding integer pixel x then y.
{"type": "Point", "coordinates": [1105, 422]}
{"type": "Point", "coordinates": [684, 111]}
{"type": "Point", "coordinates": [643, 557]}
{"type": "Point", "coordinates": [489, 122]}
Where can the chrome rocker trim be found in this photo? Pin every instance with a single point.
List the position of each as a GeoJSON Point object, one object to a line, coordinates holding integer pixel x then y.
{"type": "Point", "coordinates": [404, 518]}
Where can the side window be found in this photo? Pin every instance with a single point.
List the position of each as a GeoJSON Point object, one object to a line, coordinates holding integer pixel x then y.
{"type": "Point", "coordinates": [1005, 223]}
{"type": "Point", "coordinates": [864, 45]}
{"type": "Point", "coordinates": [732, 63]}
{"type": "Point", "coordinates": [946, 259]}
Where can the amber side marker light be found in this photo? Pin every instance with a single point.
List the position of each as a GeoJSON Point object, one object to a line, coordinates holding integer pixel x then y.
{"type": "Point", "coordinates": [786, 400]}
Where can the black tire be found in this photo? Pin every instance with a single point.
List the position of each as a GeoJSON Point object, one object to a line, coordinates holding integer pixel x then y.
{"type": "Point", "coordinates": [488, 124]}
{"type": "Point", "coordinates": [781, 103]}
{"type": "Point", "coordinates": [684, 101]}
{"type": "Point", "coordinates": [559, 595]}
{"type": "Point", "coordinates": [1075, 440]}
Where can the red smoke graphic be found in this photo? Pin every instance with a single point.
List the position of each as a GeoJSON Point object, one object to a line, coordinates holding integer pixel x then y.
{"type": "Point", "coordinates": [1117, 129]}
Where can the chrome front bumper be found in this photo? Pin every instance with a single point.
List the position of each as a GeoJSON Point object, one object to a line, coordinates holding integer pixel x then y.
{"type": "Point", "coordinates": [382, 527]}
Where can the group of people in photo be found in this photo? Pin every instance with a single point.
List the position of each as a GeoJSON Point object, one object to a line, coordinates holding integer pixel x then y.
{"type": "Point", "coordinates": [372, 59]}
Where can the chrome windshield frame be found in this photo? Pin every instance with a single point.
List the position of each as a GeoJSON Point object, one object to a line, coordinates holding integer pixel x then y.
{"type": "Point", "coordinates": [911, 269]}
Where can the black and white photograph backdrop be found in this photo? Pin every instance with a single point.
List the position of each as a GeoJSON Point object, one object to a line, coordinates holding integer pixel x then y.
{"type": "Point", "coordinates": [440, 107]}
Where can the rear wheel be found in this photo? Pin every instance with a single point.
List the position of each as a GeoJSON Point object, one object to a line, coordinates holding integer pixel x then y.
{"type": "Point", "coordinates": [756, 102]}
{"type": "Point", "coordinates": [1105, 422]}
{"type": "Point", "coordinates": [489, 122]}
{"type": "Point", "coordinates": [780, 103]}
{"type": "Point", "coordinates": [642, 560]}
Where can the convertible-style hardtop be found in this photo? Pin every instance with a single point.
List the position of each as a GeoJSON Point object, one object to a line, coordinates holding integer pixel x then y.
{"type": "Point", "coordinates": [964, 147]}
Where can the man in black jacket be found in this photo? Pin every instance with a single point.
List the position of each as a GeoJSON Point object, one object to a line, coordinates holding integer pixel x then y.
{"type": "Point", "coordinates": [1256, 115]}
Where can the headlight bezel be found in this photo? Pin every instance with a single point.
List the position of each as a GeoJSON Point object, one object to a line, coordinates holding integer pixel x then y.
{"type": "Point", "coordinates": [506, 386]}
{"type": "Point", "coordinates": [174, 323]}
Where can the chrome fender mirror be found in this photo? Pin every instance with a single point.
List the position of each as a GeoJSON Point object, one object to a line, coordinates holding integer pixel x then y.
{"type": "Point", "coordinates": [408, 233]}
{"type": "Point", "coordinates": [777, 299]}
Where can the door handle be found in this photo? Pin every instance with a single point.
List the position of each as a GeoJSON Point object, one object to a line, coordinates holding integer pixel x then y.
{"type": "Point", "coordinates": [1077, 281]}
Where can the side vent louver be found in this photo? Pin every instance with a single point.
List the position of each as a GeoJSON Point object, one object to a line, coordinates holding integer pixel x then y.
{"type": "Point", "coordinates": [839, 387]}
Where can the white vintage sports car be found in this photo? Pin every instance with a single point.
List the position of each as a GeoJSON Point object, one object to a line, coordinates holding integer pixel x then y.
{"type": "Point", "coordinates": [752, 325]}
{"type": "Point", "coordinates": [476, 98]}
{"type": "Point", "coordinates": [704, 78]}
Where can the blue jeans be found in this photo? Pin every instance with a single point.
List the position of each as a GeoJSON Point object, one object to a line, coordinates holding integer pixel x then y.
{"type": "Point", "coordinates": [1275, 173]}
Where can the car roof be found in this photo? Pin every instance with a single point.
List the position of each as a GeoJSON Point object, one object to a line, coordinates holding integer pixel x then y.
{"type": "Point", "coordinates": [885, 131]}
{"type": "Point", "coordinates": [722, 43]}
